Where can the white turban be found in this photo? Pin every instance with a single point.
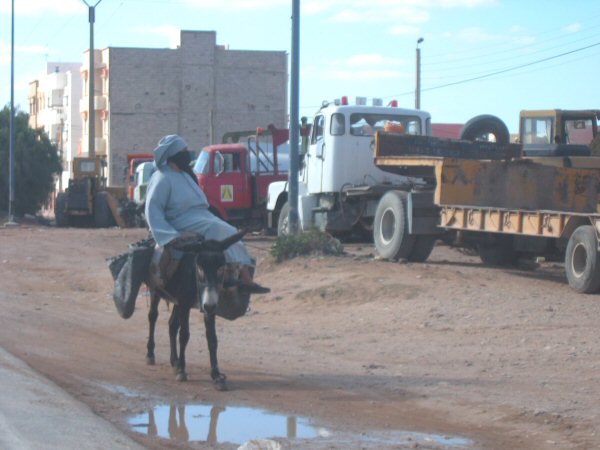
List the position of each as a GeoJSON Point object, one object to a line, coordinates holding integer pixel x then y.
{"type": "Point", "coordinates": [168, 146]}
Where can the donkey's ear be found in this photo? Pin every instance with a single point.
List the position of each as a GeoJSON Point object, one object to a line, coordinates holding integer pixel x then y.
{"type": "Point", "coordinates": [226, 243]}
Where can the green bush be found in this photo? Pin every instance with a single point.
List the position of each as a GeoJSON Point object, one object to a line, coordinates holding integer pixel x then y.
{"type": "Point", "coordinates": [313, 242]}
{"type": "Point", "coordinates": [36, 164]}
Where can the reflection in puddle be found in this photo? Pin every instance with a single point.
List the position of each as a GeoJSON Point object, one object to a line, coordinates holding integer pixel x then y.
{"type": "Point", "coordinates": [216, 424]}
{"type": "Point", "coordinates": [233, 424]}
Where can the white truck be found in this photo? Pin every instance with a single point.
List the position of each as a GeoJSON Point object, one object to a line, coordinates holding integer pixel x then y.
{"type": "Point", "coordinates": [339, 185]}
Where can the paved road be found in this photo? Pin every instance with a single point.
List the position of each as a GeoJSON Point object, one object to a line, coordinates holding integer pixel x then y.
{"type": "Point", "coordinates": [37, 414]}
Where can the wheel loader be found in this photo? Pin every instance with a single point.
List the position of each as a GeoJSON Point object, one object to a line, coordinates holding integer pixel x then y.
{"type": "Point", "coordinates": [88, 202]}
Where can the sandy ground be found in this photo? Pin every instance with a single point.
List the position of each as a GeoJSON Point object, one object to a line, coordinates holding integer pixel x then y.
{"type": "Point", "coordinates": [368, 349]}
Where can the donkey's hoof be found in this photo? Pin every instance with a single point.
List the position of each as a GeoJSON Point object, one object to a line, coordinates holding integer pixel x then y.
{"type": "Point", "coordinates": [220, 383]}
{"type": "Point", "coordinates": [181, 376]}
{"type": "Point", "coordinates": [150, 360]}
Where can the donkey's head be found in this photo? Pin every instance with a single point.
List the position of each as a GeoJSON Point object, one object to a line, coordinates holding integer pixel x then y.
{"type": "Point", "coordinates": [210, 257]}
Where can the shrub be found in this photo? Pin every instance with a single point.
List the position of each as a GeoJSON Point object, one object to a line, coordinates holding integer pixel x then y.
{"type": "Point", "coordinates": [313, 242]}
{"type": "Point", "coordinates": [35, 166]}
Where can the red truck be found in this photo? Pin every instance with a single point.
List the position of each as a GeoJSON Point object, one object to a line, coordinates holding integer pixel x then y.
{"type": "Point", "coordinates": [133, 161]}
{"type": "Point", "coordinates": [235, 175]}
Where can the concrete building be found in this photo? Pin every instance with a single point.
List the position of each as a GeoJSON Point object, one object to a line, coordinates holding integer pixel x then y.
{"type": "Point", "coordinates": [199, 90]}
{"type": "Point", "coordinates": [54, 106]}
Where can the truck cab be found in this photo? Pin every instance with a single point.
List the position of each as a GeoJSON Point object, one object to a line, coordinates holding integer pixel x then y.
{"type": "Point", "coordinates": [235, 175]}
{"type": "Point", "coordinates": [141, 177]}
{"type": "Point", "coordinates": [133, 162]}
{"type": "Point", "coordinates": [339, 183]}
{"type": "Point", "coordinates": [558, 132]}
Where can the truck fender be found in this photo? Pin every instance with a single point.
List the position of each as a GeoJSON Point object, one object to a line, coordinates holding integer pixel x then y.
{"type": "Point", "coordinates": [485, 124]}
{"type": "Point", "coordinates": [276, 195]}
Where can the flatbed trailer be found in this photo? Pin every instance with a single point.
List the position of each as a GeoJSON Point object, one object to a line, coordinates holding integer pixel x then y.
{"type": "Point", "coordinates": [505, 205]}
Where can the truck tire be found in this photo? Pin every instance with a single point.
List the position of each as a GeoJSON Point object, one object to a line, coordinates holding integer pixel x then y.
{"type": "Point", "coordinates": [390, 227]}
{"type": "Point", "coordinates": [103, 217]}
{"type": "Point", "coordinates": [484, 124]}
{"type": "Point", "coordinates": [422, 248]}
{"type": "Point", "coordinates": [283, 220]}
{"type": "Point", "coordinates": [582, 264]}
{"type": "Point", "coordinates": [60, 216]}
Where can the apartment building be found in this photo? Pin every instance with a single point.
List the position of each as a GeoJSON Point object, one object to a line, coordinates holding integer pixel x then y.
{"type": "Point", "coordinates": [54, 106]}
{"type": "Point", "coordinates": [199, 90]}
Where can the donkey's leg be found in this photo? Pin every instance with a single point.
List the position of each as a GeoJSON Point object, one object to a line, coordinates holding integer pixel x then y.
{"type": "Point", "coordinates": [184, 337]}
{"type": "Point", "coordinates": [152, 317]}
{"type": "Point", "coordinates": [173, 330]}
{"type": "Point", "coordinates": [211, 340]}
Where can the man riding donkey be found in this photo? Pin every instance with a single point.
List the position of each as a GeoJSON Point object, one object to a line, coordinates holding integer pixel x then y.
{"type": "Point", "coordinates": [177, 209]}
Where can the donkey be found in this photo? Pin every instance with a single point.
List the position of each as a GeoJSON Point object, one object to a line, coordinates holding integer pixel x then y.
{"type": "Point", "coordinates": [195, 283]}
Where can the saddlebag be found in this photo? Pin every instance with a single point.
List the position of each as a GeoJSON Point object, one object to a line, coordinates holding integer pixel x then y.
{"type": "Point", "coordinates": [129, 270]}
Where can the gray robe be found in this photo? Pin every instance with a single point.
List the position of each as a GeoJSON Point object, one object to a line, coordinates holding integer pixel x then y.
{"type": "Point", "coordinates": [175, 204]}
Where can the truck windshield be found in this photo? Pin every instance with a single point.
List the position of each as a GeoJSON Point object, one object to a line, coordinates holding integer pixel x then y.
{"type": "Point", "coordinates": [365, 124]}
{"type": "Point", "coordinates": [201, 166]}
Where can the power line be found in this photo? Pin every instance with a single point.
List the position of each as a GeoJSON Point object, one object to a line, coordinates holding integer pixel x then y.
{"type": "Point", "coordinates": [442, 57]}
{"type": "Point", "coordinates": [516, 57]}
{"type": "Point", "coordinates": [498, 72]}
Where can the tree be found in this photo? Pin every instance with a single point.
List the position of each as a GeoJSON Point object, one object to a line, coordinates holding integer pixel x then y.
{"type": "Point", "coordinates": [36, 164]}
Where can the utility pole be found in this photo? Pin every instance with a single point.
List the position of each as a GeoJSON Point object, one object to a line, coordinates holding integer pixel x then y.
{"type": "Point", "coordinates": [418, 87]}
{"type": "Point", "coordinates": [91, 111]}
{"type": "Point", "coordinates": [294, 118]}
{"type": "Point", "coordinates": [11, 145]}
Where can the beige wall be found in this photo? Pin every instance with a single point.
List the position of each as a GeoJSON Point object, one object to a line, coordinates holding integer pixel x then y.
{"type": "Point", "coordinates": [154, 92]}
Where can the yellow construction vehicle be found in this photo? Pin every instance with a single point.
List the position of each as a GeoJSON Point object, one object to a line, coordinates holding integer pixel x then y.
{"type": "Point", "coordinates": [88, 202]}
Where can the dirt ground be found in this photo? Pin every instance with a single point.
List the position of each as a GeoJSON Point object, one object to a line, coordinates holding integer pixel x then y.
{"type": "Point", "coordinates": [505, 358]}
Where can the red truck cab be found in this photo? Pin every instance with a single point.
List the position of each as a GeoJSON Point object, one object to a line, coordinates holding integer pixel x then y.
{"type": "Point", "coordinates": [133, 161]}
{"type": "Point", "coordinates": [235, 176]}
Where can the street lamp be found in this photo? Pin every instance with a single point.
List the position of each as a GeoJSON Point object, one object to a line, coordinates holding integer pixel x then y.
{"type": "Point", "coordinates": [418, 87]}
{"type": "Point", "coordinates": [91, 112]}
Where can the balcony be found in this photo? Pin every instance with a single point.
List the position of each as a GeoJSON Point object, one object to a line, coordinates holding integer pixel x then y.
{"type": "Point", "coordinates": [99, 103]}
{"type": "Point", "coordinates": [98, 64]}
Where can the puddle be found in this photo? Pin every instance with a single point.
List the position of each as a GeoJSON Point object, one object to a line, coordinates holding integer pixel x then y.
{"type": "Point", "coordinates": [215, 424]}
{"type": "Point", "coordinates": [237, 425]}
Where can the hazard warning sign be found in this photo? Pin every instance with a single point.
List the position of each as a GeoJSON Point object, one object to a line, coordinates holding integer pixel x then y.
{"type": "Point", "coordinates": [227, 193]}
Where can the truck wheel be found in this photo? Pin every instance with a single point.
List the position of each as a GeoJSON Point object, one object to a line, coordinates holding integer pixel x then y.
{"type": "Point", "coordinates": [60, 216]}
{"type": "Point", "coordinates": [480, 126]}
{"type": "Point", "coordinates": [103, 217]}
{"type": "Point", "coordinates": [581, 260]}
{"type": "Point", "coordinates": [422, 248]}
{"type": "Point", "coordinates": [283, 220]}
{"type": "Point", "coordinates": [390, 227]}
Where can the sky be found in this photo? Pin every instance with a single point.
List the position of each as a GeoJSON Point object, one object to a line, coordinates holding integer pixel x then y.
{"type": "Point", "coordinates": [477, 56]}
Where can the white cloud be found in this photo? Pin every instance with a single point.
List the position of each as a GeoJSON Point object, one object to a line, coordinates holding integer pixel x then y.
{"type": "Point", "coordinates": [411, 11]}
{"type": "Point", "coordinates": [478, 35]}
{"type": "Point", "coordinates": [237, 4]}
{"type": "Point", "coordinates": [173, 34]}
{"type": "Point", "coordinates": [404, 30]}
{"type": "Point", "coordinates": [41, 7]}
{"type": "Point", "coordinates": [573, 28]}
{"type": "Point", "coordinates": [360, 75]}
{"type": "Point", "coordinates": [20, 50]}
{"type": "Point", "coordinates": [373, 60]}
{"type": "Point", "coordinates": [367, 14]}
{"type": "Point", "coordinates": [371, 66]}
